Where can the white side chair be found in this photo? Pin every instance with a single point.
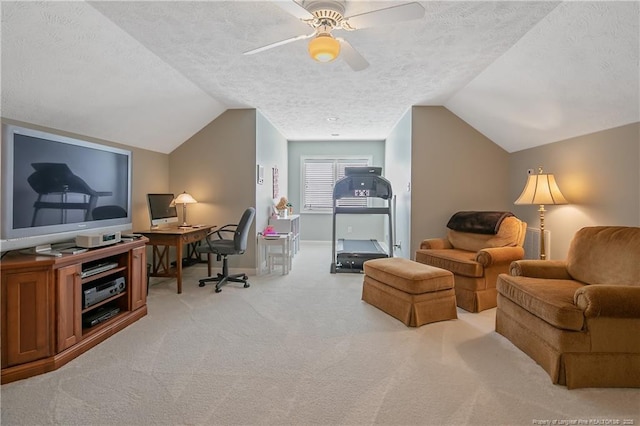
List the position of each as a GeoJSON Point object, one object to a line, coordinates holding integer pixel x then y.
{"type": "Point", "coordinates": [281, 256]}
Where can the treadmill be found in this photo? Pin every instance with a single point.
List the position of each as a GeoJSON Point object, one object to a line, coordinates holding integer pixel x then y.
{"type": "Point", "coordinates": [349, 255]}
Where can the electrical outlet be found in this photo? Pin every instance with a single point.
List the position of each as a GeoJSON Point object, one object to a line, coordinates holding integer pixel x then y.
{"type": "Point", "coordinates": [349, 229]}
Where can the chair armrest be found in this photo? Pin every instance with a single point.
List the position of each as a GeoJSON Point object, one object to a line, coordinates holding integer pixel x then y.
{"type": "Point", "coordinates": [224, 228]}
{"type": "Point", "coordinates": [549, 269]}
{"type": "Point", "coordinates": [218, 231]}
{"type": "Point", "coordinates": [499, 255]}
{"type": "Point", "coordinates": [615, 301]}
{"type": "Point", "coordinates": [435, 244]}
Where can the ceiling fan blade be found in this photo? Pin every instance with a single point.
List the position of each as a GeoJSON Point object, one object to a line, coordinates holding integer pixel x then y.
{"type": "Point", "coordinates": [279, 43]}
{"type": "Point", "coordinates": [403, 12]}
{"type": "Point", "coordinates": [351, 56]}
{"type": "Point", "coordinates": [293, 8]}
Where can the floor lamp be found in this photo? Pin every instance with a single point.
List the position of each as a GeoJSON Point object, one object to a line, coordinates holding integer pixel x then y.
{"type": "Point", "coordinates": [184, 199]}
{"type": "Point", "coordinates": [541, 189]}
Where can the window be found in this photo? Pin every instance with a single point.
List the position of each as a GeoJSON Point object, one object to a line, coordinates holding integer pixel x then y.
{"type": "Point", "coordinates": [319, 175]}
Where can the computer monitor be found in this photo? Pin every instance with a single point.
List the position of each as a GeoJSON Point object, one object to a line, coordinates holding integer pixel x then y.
{"type": "Point", "coordinates": [162, 210]}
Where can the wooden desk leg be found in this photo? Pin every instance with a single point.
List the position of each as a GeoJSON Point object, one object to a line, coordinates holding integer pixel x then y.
{"type": "Point", "coordinates": [179, 266]}
{"type": "Point", "coordinates": [161, 260]}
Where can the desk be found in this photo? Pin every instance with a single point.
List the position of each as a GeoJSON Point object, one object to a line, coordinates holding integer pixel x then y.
{"type": "Point", "coordinates": [163, 238]}
{"type": "Point", "coordinates": [289, 224]}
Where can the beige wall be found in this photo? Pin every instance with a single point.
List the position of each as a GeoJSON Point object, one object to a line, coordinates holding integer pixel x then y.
{"type": "Point", "coordinates": [217, 167]}
{"type": "Point", "coordinates": [599, 174]}
{"type": "Point", "coordinates": [453, 168]}
{"type": "Point", "coordinates": [150, 175]}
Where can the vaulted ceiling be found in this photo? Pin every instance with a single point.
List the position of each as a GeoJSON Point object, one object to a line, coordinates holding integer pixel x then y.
{"type": "Point", "coordinates": [151, 74]}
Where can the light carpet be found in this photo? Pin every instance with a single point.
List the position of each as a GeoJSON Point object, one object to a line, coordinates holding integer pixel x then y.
{"type": "Point", "coordinates": [302, 349]}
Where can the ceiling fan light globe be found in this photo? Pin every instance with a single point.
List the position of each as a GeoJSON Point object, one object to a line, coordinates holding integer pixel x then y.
{"type": "Point", "coordinates": [324, 48]}
{"type": "Point", "coordinates": [324, 57]}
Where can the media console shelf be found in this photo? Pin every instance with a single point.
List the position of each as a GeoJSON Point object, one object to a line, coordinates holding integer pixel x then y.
{"type": "Point", "coordinates": [45, 322]}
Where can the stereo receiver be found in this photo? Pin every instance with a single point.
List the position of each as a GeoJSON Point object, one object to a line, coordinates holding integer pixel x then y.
{"type": "Point", "coordinates": [100, 292]}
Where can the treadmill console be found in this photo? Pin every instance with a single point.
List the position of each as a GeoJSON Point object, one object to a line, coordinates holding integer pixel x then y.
{"type": "Point", "coordinates": [362, 186]}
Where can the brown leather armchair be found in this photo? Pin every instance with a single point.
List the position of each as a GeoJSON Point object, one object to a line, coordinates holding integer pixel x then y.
{"type": "Point", "coordinates": [480, 246]}
{"type": "Point", "coordinates": [579, 318]}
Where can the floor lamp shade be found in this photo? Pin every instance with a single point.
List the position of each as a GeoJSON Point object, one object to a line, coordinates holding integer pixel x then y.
{"type": "Point", "coordinates": [541, 189]}
{"type": "Point", "coordinates": [184, 199]}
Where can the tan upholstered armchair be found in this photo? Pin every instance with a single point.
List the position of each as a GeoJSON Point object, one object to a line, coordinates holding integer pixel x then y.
{"type": "Point", "coordinates": [479, 246]}
{"type": "Point", "coordinates": [580, 318]}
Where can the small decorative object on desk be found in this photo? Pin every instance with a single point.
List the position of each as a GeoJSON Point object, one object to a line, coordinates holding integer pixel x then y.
{"type": "Point", "coordinates": [269, 231]}
{"type": "Point", "coordinates": [282, 207]}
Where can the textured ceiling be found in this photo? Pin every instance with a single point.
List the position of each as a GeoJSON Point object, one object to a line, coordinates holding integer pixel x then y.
{"type": "Point", "coordinates": [151, 74]}
{"type": "Point", "coordinates": [564, 78]}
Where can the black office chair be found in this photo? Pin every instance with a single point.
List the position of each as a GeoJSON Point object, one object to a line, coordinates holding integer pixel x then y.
{"type": "Point", "coordinates": [221, 247]}
{"type": "Point", "coordinates": [108, 212]}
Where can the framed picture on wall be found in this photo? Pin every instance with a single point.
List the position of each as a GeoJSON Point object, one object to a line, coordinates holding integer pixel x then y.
{"type": "Point", "coordinates": [276, 189]}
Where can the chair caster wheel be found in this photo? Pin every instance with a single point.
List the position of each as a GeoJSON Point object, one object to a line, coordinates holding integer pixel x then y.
{"type": "Point", "coordinates": [218, 290]}
{"type": "Point", "coordinates": [245, 277]}
{"type": "Point", "coordinates": [201, 284]}
{"type": "Point", "coordinates": [247, 285]}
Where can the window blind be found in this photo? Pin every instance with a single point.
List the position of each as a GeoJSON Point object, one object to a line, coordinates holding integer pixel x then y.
{"type": "Point", "coordinates": [319, 177]}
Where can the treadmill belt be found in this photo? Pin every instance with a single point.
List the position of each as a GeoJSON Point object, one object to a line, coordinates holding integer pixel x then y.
{"type": "Point", "coordinates": [359, 246]}
{"type": "Point", "coordinates": [353, 253]}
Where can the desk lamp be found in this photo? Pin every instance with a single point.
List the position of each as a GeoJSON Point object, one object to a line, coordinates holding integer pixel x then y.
{"type": "Point", "coordinates": [184, 199]}
{"type": "Point", "coordinates": [541, 189]}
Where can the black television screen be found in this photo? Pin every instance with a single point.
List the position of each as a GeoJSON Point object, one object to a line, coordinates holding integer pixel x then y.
{"type": "Point", "coordinates": [54, 188]}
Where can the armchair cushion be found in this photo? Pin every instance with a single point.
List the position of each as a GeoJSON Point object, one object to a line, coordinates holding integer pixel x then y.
{"type": "Point", "coordinates": [550, 300]}
{"type": "Point", "coordinates": [602, 255]}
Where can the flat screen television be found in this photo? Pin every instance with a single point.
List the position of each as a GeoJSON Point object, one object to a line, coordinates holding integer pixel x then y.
{"type": "Point", "coordinates": [55, 187]}
{"type": "Point", "coordinates": [162, 209]}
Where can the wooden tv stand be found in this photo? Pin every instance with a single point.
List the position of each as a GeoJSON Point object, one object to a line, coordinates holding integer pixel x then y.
{"type": "Point", "coordinates": [43, 309]}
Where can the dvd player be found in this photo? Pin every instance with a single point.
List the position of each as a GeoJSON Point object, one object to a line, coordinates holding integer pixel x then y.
{"type": "Point", "coordinates": [100, 315]}
{"type": "Point", "coordinates": [96, 269]}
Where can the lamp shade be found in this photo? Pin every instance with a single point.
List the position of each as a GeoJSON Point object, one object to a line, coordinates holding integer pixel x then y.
{"type": "Point", "coordinates": [324, 48]}
{"type": "Point", "coordinates": [184, 198]}
{"type": "Point", "coordinates": [541, 189]}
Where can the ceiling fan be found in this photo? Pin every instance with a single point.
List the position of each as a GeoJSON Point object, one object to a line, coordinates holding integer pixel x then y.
{"type": "Point", "coordinates": [324, 16]}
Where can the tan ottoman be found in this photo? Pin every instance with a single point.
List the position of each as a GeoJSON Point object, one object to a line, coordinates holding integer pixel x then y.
{"type": "Point", "coordinates": [412, 292]}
